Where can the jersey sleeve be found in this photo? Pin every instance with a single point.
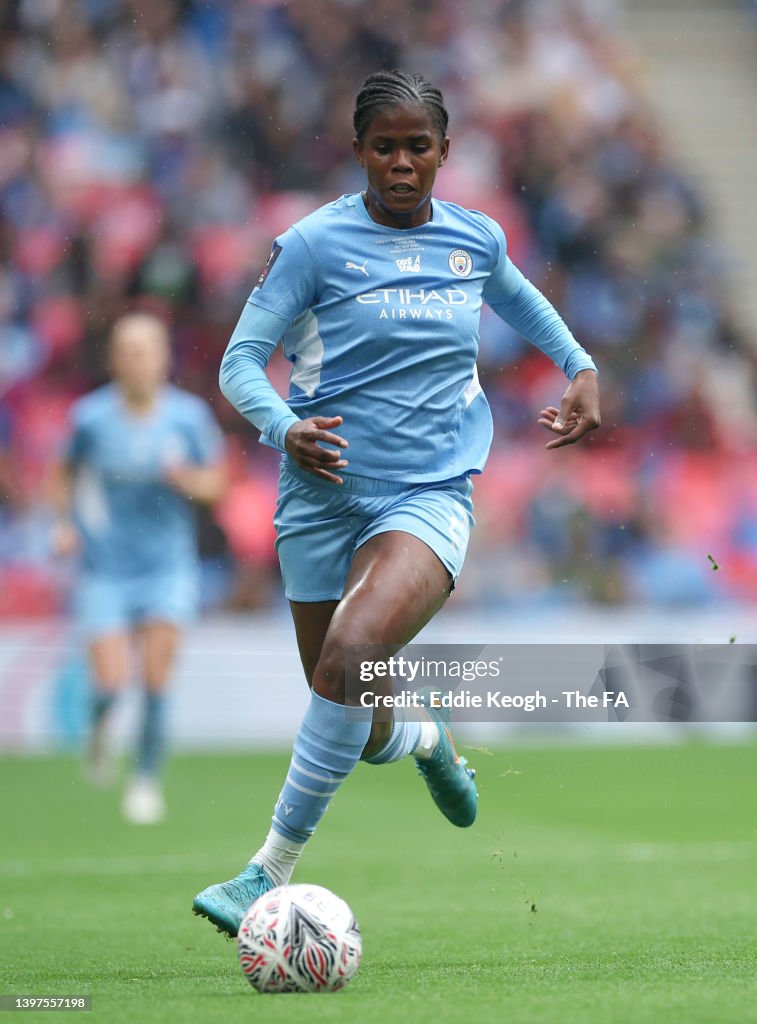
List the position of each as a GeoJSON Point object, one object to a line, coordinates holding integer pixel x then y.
{"type": "Point", "coordinates": [243, 380]}
{"type": "Point", "coordinates": [288, 284]}
{"type": "Point", "coordinates": [520, 304]}
{"type": "Point", "coordinates": [76, 444]}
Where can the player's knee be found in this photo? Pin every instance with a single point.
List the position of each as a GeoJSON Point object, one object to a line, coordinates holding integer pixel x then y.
{"type": "Point", "coordinates": [331, 678]}
{"type": "Point", "coordinates": [330, 672]}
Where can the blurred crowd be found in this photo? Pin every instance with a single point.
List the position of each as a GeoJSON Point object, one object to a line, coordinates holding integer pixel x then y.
{"type": "Point", "coordinates": [151, 149]}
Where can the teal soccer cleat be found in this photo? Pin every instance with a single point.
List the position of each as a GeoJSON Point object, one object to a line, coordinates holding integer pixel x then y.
{"type": "Point", "coordinates": [449, 780]}
{"type": "Point", "coordinates": [226, 903]}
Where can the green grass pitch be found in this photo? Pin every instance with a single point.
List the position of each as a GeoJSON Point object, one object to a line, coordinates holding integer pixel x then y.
{"type": "Point", "coordinates": [599, 884]}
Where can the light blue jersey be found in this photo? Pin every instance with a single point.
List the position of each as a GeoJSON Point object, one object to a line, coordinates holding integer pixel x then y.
{"type": "Point", "coordinates": [381, 326]}
{"type": "Point", "coordinates": [133, 523]}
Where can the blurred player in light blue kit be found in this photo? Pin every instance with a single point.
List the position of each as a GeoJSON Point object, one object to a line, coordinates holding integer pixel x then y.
{"type": "Point", "coordinates": [139, 453]}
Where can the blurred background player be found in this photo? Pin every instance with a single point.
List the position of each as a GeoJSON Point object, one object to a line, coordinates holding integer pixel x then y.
{"type": "Point", "coordinates": [140, 451]}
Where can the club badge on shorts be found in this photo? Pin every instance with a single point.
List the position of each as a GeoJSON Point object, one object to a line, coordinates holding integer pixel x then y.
{"type": "Point", "coordinates": [460, 262]}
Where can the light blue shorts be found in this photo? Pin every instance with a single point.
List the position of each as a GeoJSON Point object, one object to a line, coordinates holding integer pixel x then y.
{"type": "Point", "coordinates": [321, 525]}
{"type": "Point", "coordinates": [113, 604]}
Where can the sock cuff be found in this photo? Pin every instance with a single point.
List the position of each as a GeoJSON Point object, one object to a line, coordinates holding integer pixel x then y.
{"type": "Point", "coordinates": [331, 739]}
{"type": "Point", "coordinates": [402, 741]}
{"type": "Point", "coordinates": [279, 842]}
{"type": "Point", "coordinates": [337, 720]}
{"type": "Point", "coordinates": [294, 835]}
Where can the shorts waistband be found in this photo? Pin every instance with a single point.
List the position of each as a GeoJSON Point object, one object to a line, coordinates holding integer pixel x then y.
{"type": "Point", "coordinates": [352, 483]}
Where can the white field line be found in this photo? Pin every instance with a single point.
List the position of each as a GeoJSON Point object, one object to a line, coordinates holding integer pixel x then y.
{"type": "Point", "coordinates": [627, 853]}
{"type": "Point", "coordinates": [161, 864]}
{"type": "Point", "coordinates": [639, 853]}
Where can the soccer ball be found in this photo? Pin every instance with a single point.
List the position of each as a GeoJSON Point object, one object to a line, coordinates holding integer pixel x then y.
{"type": "Point", "coordinates": [299, 938]}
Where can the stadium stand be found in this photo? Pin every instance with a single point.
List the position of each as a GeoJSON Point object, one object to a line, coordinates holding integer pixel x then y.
{"type": "Point", "coordinates": [151, 149]}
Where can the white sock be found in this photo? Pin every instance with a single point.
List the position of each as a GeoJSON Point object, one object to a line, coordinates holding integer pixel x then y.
{"type": "Point", "coordinates": [428, 741]}
{"type": "Point", "coordinates": [278, 857]}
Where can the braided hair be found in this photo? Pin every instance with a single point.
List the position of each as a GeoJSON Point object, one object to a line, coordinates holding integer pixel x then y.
{"type": "Point", "coordinates": [396, 89]}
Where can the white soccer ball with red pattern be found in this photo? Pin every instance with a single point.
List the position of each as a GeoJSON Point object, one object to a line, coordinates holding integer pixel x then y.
{"type": "Point", "coordinates": [299, 938]}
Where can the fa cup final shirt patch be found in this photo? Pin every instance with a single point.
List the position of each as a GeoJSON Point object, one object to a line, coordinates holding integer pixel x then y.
{"type": "Point", "coordinates": [269, 265]}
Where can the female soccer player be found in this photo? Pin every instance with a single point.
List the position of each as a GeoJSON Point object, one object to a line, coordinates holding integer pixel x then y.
{"type": "Point", "coordinates": [377, 299]}
{"type": "Point", "coordinates": [139, 453]}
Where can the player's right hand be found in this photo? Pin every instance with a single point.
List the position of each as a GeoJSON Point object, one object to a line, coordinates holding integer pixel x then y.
{"type": "Point", "coordinates": [304, 441]}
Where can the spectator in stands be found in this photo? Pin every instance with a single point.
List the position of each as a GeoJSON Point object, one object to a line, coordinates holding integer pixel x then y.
{"type": "Point", "coordinates": [210, 127]}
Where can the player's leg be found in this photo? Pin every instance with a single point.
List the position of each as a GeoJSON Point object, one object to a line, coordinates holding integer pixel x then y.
{"type": "Point", "coordinates": [108, 659]}
{"type": "Point", "coordinates": [440, 515]}
{"type": "Point", "coordinates": [378, 611]}
{"type": "Point", "coordinates": [392, 740]}
{"type": "Point", "coordinates": [161, 605]}
{"type": "Point", "coordinates": [395, 585]}
{"type": "Point", "coordinates": [102, 622]}
{"type": "Point", "coordinates": [311, 623]}
{"type": "Point", "coordinates": [158, 644]}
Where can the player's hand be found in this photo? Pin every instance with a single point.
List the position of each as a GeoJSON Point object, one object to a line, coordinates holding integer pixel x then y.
{"type": "Point", "coordinates": [180, 477]}
{"type": "Point", "coordinates": [198, 483]}
{"type": "Point", "coordinates": [304, 442]}
{"type": "Point", "coordinates": [64, 540]}
{"type": "Point", "coordinates": [184, 478]}
{"type": "Point", "coordinates": [578, 412]}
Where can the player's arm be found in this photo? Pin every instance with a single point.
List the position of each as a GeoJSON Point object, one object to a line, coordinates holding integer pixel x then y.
{"type": "Point", "coordinates": [244, 383]}
{"type": "Point", "coordinates": [520, 304]}
{"type": "Point", "coordinates": [65, 537]}
{"type": "Point", "coordinates": [203, 475]}
{"type": "Point", "coordinates": [206, 484]}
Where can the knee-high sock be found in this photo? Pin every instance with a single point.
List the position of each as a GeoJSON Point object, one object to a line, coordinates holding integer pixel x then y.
{"type": "Point", "coordinates": [404, 739]}
{"type": "Point", "coordinates": [151, 747]}
{"type": "Point", "coordinates": [327, 747]}
{"type": "Point", "coordinates": [418, 738]}
{"type": "Point", "coordinates": [102, 702]}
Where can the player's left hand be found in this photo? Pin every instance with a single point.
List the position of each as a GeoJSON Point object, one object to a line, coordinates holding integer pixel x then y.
{"type": "Point", "coordinates": [578, 412]}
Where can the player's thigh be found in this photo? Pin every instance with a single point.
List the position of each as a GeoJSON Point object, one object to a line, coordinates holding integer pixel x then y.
{"type": "Point", "coordinates": [159, 643]}
{"type": "Point", "coordinates": [102, 620]}
{"type": "Point", "coordinates": [311, 623]}
{"type": "Point", "coordinates": [101, 607]}
{"type": "Point", "coordinates": [109, 660]}
{"type": "Point", "coordinates": [163, 604]}
{"type": "Point", "coordinates": [170, 596]}
{"type": "Point", "coordinates": [395, 585]}
{"type": "Point", "coordinates": [439, 514]}
{"type": "Point", "coordinates": [406, 562]}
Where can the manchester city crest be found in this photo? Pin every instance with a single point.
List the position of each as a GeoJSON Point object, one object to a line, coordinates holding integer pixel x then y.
{"type": "Point", "coordinates": [460, 262]}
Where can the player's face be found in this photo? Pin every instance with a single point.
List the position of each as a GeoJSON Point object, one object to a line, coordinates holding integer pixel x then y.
{"type": "Point", "coordinates": [139, 358]}
{"type": "Point", "coordinates": [401, 152]}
